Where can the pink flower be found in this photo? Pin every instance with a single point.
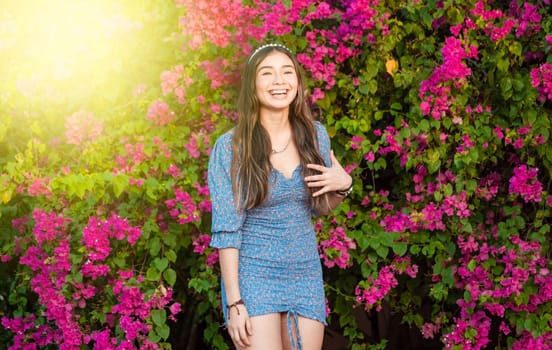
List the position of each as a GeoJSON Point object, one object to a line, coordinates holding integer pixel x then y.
{"type": "Point", "coordinates": [370, 157]}
{"type": "Point", "coordinates": [356, 142]}
{"type": "Point", "coordinates": [504, 328]}
{"type": "Point", "coordinates": [541, 78]}
{"type": "Point", "coordinates": [429, 330]}
{"type": "Point", "coordinates": [82, 127]}
{"type": "Point", "coordinates": [174, 171]}
{"type": "Point", "coordinates": [525, 183]}
{"type": "Point", "coordinates": [160, 113]}
{"type": "Point", "coordinates": [192, 147]}
{"type": "Point", "coordinates": [374, 291]}
{"type": "Point", "coordinates": [94, 271]}
{"type": "Point", "coordinates": [212, 258]}
{"type": "Point", "coordinates": [40, 186]}
{"type": "Point", "coordinates": [169, 79]}
{"type": "Point", "coordinates": [335, 250]}
{"type": "Point", "coordinates": [518, 143]}
{"type": "Point", "coordinates": [201, 243]}
{"type": "Point", "coordinates": [139, 90]}
{"type": "Point", "coordinates": [175, 309]}
{"type": "Point", "coordinates": [182, 207]}
{"type": "Point", "coordinates": [317, 94]}
{"type": "Point", "coordinates": [425, 107]}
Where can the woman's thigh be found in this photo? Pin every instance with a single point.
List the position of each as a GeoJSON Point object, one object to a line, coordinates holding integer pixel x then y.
{"type": "Point", "coordinates": [311, 333]}
{"type": "Point", "coordinates": [267, 333]}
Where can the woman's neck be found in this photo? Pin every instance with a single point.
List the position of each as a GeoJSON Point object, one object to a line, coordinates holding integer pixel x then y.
{"type": "Point", "coordinates": [275, 122]}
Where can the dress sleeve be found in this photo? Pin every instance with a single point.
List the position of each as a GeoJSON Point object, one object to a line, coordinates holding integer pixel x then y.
{"type": "Point", "coordinates": [324, 143]}
{"type": "Point", "coordinates": [226, 220]}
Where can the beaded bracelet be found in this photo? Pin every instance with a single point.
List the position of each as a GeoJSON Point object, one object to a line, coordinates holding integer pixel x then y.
{"type": "Point", "coordinates": [345, 192]}
{"type": "Point", "coordinates": [239, 302]}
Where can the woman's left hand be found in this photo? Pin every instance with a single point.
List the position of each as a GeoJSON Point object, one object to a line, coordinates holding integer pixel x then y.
{"type": "Point", "coordinates": [331, 179]}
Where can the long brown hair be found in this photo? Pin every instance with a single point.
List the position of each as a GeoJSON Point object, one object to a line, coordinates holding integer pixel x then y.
{"type": "Point", "coordinates": [251, 146]}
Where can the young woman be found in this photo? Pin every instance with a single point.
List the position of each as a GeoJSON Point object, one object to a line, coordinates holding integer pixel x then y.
{"type": "Point", "coordinates": [267, 177]}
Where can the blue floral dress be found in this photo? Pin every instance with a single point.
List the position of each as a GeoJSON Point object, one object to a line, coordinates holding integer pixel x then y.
{"type": "Point", "coordinates": [279, 264]}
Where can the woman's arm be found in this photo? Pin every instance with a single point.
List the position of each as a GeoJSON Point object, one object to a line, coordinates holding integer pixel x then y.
{"type": "Point", "coordinates": [334, 198]}
{"type": "Point", "coordinates": [226, 236]}
{"type": "Point", "coordinates": [239, 324]}
{"type": "Point", "coordinates": [228, 260]}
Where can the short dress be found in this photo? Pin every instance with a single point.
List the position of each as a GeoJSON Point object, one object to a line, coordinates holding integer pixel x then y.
{"type": "Point", "coordinates": [279, 264]}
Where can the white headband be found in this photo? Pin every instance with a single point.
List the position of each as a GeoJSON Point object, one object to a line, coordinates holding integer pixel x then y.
{"type": "Point", "coordinates": [265, 46]}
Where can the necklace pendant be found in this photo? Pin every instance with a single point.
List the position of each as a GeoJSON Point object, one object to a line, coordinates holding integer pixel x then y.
{"type": "Point", "coordinates": [283, 149]}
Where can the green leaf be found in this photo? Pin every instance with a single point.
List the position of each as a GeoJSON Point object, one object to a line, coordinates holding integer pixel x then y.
{"type": "Point", "coordinates": [153, 336]}
{"type": "Point", "coordinates": [171, 255]}
{"type": "Point", "coordinates": [400, 248]}
{"type": "Point", "coordinates": [153, 274]}
{"type": "Point", "coordinates": [503, 65]}
{"type": "Point", "coordinates": [516, 48]}
{"type": "Point", "coordinates": [471, 186]}
{"type": "Point", "coordinates": [506, 88]}
{"type": "Point", "coordinates": [386, 238]}
{"type": "Point", "coordinates": [151, 185]}
{"type": "Point", "coordinates": [159, 317]}
{"type": "Point", "coordinates": [161, 263]}
{"type": "Point", "coordinates": [155, 246]}
{"type": "Point", "coordinates": [396, 106]}
{"type": "Point", "coordinates": [518, 85]}
{"type": "Point", "coordinates": [120, 183]}
{"type": "Point", "coordinates": [448, 276]}
{"type": "Point", "coordinates": [433, 161]}
{"type": "Point", "coordinates": [424, 125]}
{"type": "Point", "coordinates": [382, 251]}
{"type": "Point", "coordinates": [170, 276]}
{"type": "Point", "coordinates": [163, 331]}
{"type": "Point", "coordinates": [471, 265]}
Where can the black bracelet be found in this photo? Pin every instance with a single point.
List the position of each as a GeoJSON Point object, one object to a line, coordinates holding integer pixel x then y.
{"type": "Point", "coordinates": [346, 191]}
{"type": "Point", "coordinates": [239, 302]}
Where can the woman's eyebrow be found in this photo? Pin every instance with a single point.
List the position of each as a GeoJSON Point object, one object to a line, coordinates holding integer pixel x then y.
{"type": "Point", "coordinates": [272, 67]}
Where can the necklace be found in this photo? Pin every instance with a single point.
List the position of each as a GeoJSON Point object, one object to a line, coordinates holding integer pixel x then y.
{"type": "Point", "coordinates": [283, 149]}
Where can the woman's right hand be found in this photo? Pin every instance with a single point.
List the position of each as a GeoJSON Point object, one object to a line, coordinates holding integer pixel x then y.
{"type": "Point", "coordinates": [239, 325]}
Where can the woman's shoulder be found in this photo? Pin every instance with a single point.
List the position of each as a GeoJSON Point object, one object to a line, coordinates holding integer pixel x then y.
{"type": "Point", "coordinates": [321, 130]}
{"type": "Point", "coordinates": [221, 152]}
{"type": "Point", "coordinates": [226, 138]}
{"type": "Point", "coordinates": [318, 123]}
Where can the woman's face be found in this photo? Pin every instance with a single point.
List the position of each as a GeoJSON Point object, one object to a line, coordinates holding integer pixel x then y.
{"type": "Point", "coordinates": [276, 82]}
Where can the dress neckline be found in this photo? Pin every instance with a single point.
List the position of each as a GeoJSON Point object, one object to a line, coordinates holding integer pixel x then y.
{"type": "Point", "coordinates": [293, 173]}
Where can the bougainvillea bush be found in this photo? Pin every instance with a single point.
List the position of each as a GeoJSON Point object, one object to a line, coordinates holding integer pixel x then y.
{"type": "Point", "coordinates": [439, 109]}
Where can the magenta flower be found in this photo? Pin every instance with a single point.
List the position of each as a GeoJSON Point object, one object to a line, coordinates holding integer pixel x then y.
{"type": "Point", "coordinates": [335, 250]}
{"type": "Point", "coordinates": [192, 147]}
{"type": "Point", "coordinates": [182, 207]}
{"type": "Point", "coordinates": [201, 243]}
{"type": "Point", "coordinates": [525, 183]}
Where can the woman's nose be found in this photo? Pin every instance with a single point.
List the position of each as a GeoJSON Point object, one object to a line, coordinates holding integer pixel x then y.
{"type": "Point", "coordinates": [278, 78]}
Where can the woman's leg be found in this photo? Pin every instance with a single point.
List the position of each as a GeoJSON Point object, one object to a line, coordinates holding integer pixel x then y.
{"type": "Point", "coordinates": [267, 333]}
{"type": "Point", "coordinates": [311, 332]}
